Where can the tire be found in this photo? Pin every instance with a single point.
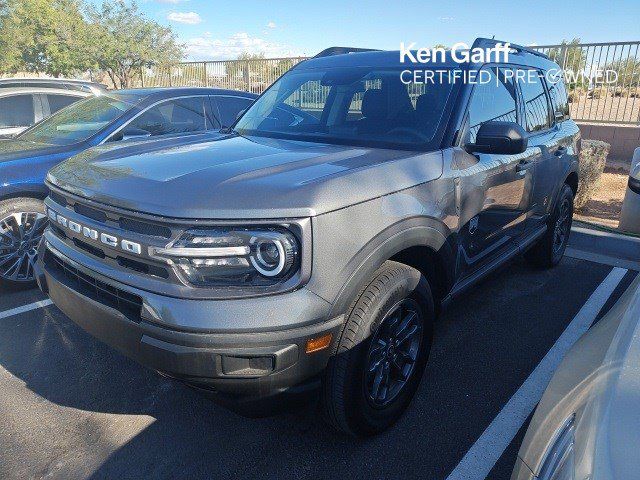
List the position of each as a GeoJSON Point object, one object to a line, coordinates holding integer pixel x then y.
{"type": "Point", "coordinates": [22, 222]}
{"type": "Point", "coordinates": [548, 251]}
{"type": "Point", "coordinates": [348, 392]}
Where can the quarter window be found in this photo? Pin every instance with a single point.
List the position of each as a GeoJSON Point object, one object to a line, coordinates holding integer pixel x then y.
{"type": "Point", "coordinates": [559, 97]}
{"type": "Point", "coordinates": [182, 115]}
{"type": "Point", "coordinates": [16, 111]}
{"type": "Point", "coordinates": [494, 100]}
{"type": "Point", "coordinates": [535, 102]}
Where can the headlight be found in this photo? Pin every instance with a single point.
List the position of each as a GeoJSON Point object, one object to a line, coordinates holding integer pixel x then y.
{"type": "Point", "coordinates": [234, 256]}
{"type": "Point", "coordinates": [558, 463]}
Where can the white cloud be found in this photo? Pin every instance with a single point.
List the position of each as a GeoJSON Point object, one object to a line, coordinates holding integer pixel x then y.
{"type": "Point", "coordinates": [172, 2]}
{"type": "Point", "coordinates": [271, 25]}
{"type": "Point", "coordinates": [446, 19]}
{"type": "Point", "coordinates": [190, 18]}
{"type": "Point", "coordinates": [209, 48]}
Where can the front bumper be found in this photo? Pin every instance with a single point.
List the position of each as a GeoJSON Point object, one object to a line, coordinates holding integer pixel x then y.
{"type": "Point", "coordinates": [252, 372]}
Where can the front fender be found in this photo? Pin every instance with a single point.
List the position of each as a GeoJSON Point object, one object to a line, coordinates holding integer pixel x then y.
{"type": "Point", "coordinates": [414, 232]}
{"type": "Point", "coordinates": [32, 190]}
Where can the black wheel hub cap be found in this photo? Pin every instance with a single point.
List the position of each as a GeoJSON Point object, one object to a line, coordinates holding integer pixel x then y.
{"type": "Point", "coordinates": [393, 353]}
{"type": "Point", "coordinates": [562, 226]}
{"type": "Point", "coordinates": [19, 236]}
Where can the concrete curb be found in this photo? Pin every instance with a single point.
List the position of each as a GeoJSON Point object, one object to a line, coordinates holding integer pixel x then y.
{"type": "Point", "coordinates": [608, 244]}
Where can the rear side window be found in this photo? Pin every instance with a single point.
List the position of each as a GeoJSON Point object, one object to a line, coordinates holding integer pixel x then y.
{"type": "Point", "coordinates": [16, 111]}
{"type": "Point", "coordinates": [535, 102]}
{"type": "Point", "coordinates": [182, 115]}
{"type": "Point", "coordinates": [58, 102]}
{"type": "Point", "coordinates": [493, 100]}
{"type": "Point", "coordinates": [230, 107]}
{"type": "Point", "coordinates": [559, 97]}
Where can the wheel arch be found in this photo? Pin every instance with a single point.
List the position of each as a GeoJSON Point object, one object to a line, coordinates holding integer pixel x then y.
{"type": "Point", "coordinates": [424, 247]}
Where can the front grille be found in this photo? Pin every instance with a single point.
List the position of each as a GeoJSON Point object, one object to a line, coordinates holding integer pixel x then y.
{"type": "Point", "coordinates": [128, 304]}
{"type": "Point", "coordinates": [89, 212]}
{"type": "Point", "coordinates": [59, 199]}
{"type": "Point", "coordinates": [144, 228]}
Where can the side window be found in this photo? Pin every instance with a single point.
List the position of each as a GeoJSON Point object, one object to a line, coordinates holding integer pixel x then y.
{"type": "Point", "coordinates": [559, 97]}
{"type": "Point", "coordinates": [182, 115]}
{"type": "Point", "coordinates": [493, 100]}
{"type": "Point", "coordinates": [16, 111]}
{"type": "Point", "coordinates": [535, 101]}
{"type": "Point", "coordinates": [58, 102]}
{"type": "Point", "coordinates": [310, 97]}
{"type": "Point", "coordinates": [230, 107]}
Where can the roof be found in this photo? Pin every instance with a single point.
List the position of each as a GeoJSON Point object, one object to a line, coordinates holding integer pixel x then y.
{"type": "Point", "coordinates": [48, 80]}
{"type": "Point", "coordinates": [166, 92]}
{"type": "Point", "coordinates": [391, 58]}
{"type": "Point", "coordinates": [10, 91]}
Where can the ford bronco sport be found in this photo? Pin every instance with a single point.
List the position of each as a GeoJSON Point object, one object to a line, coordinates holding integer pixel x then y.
{"type": "Point", "coordinates": [308, 251]}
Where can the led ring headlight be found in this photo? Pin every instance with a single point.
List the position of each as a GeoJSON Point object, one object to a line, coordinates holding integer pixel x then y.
{"type": "Point", "coordinates": [284, 258]}
{"type": "Point", "coordinates": [229, 256]}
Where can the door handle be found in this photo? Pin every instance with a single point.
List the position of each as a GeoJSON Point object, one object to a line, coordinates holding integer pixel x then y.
{"type": "Point", "coordinates": [560, 151]}
{"type": "Point", "coordinates": [523, 165]}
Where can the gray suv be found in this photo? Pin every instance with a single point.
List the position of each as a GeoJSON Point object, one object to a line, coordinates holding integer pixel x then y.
{"type": "Point", "coordinates": [308, 252]}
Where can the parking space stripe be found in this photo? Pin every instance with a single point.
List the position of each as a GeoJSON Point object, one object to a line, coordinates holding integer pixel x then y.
{"type": "Point", "coordinates": [25, 308]}
{"type": "Point", "coordinates": [485, 452]}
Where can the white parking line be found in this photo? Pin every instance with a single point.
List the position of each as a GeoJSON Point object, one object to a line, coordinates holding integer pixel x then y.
{"type": "Point", "coordinates": [483, 455]}
{"type": "Point", "coordinates": [25, 308]}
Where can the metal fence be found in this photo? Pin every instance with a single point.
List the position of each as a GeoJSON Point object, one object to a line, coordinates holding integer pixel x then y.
{"type": "Point", "coordinates": [590, 69]}
{"type": "Point", "coordinates": [592, 97]}
{"type": "Point", "coordinates": [248, 75]}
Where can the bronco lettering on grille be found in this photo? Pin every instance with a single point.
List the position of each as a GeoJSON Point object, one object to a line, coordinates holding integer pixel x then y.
{"type": "Point", "coordinates": [93, 234]}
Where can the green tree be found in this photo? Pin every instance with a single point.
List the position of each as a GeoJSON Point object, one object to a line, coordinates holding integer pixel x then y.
{"type": "Point", "coordinates": [569, 55]}
{"type": "Point", "coordinates": [43, 36]}
{"type": "Point", "coordinates": [124, 42]}
{"type": "Point", "coordinates": [628, 71]}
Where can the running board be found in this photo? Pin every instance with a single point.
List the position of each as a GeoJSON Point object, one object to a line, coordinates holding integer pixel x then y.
{"type": "Point", "coordinates": [467, 282]}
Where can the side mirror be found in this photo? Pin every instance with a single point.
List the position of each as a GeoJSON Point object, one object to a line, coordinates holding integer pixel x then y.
{"type": "Point", "coordinates": [501, 138]}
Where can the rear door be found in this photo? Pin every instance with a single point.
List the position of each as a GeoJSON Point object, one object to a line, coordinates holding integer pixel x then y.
{"type": "Point", "coordinates": [494, 191]}
{"type": "Point", "coordinates": [543, 142]}
{"type": "Point", "coordinates": [562, 151]}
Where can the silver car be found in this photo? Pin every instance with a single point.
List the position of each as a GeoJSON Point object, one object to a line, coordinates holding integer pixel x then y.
{"type": "Point", "coordinates": [21, 107]}
{"type": "Point", "coordinates": [587, 425]}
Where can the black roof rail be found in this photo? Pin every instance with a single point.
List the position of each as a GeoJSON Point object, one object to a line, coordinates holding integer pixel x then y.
{"type": "Point", "coordinates": [328, 52]}
{"type": "Point", "coordinates": [490, 42]}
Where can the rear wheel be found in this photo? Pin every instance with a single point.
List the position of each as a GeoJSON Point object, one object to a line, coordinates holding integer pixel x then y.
{"type": "Point", "coordinates": [22, 222]}
{"type": "Point", "coordinates": [548, 251]}
{"type": "Point", "coordinates": [381, 354]}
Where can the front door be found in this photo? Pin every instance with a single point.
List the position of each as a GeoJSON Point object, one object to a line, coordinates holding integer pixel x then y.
{"type": "Point", "coordinates": [494, 190]}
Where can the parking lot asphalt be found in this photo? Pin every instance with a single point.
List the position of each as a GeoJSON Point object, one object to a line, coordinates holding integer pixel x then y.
{"type": "Point", "coordinates": [70, 407]}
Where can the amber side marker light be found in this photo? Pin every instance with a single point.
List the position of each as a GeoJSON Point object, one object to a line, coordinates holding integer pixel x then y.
{"type": "Point", "coordinates": [317, 344]}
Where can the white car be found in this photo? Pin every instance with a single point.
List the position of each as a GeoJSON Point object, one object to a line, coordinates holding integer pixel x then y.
{"type": "Point", "coordinates": [21, 107]}
{"type": "Point", "coordinates": [587, 425]}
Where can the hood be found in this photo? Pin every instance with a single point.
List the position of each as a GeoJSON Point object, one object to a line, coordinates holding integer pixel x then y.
{"type": "Point", "coordinates": [16, 149]}
{"type": "Point", "coordinates": [239, 177]}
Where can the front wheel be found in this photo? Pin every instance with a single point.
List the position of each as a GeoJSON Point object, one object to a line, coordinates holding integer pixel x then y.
{"type": "Point", "coordinates": [22, 222]}
{"type": "Point", "coordinates": [381, 354]}
{"type": "Point", "coordinates": [548, 251]}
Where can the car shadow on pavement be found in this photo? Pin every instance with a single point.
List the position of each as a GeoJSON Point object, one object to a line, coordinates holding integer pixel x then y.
{"type": "Point", "coordinates": [88, 412]}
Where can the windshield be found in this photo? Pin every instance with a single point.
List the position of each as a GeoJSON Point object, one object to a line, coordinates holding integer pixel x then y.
{"type": "Point", "coordinates": [364, 106]}
{"type": "Point", "coordinates": [78, 121]}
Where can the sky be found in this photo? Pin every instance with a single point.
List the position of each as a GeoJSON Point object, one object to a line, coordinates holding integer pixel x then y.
{"type": "Point", "coordinates": [215, 30]}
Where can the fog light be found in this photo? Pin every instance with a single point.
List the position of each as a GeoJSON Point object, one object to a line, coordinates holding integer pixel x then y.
{"type": "Point", "coordinates": [317, 344]}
